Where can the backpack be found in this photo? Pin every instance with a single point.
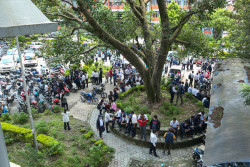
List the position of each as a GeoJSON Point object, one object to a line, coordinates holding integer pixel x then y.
{"type": "Point", "coordinates": [98, 106]}
{"type": "Point", "coordinates": [189, 76]}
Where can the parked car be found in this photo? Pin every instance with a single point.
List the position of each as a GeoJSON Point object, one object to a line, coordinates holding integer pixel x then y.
{"type": "Point", "coordinates": [14, 53]}
{"type": "Point", "coordinates": [6, 64]}
{"type": "Point", "coordinates": [30, 59]}
{"type": "Point", "coordinates": [174, 70]}
{"type": "Point", "coordinates": [36, 47]}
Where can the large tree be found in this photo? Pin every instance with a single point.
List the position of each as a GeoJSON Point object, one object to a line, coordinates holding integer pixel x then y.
{"type": "Point", "coordinates": [148, 58]}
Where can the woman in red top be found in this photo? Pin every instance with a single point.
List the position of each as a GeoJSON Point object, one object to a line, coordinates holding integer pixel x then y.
{"type": "Point", "coordinates": [110, 75]}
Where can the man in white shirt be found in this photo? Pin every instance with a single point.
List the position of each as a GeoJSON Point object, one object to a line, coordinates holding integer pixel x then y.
{"type": "Point", "coordinates": [108, 119]}
{"type": "Point", "coordinates": [153, 141]}
{"type": "Point", "coordinates": [190, 89]}
{"type": "Point", "coordinates": [195, 91]}
{"type": "Point", "coordinates": [66, 119]}
{"type": "Point", "coordinates": [96, 76]}
{"type": "Point", "coordinates": [83, 81]}
{"type": "Point", "coordinates": [134, 123]}
{"type": "Point", "coordinates": [46, 87]}
{"type": "Point", "coordinates": [174, 124]}
{"type": "Point", "coordinates": [126, 73]}
{"type": "Point", "coordinates": [127, 87]}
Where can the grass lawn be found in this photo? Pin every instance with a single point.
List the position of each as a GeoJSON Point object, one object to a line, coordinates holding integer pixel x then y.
{"type": "Point", "coordinates": [81, 149]}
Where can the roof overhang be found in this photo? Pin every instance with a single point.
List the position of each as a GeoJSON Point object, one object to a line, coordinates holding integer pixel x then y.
{"type": "Point", "coordinates": [22, 17]}
{"type": "Point", "coordinates": [231, 141]}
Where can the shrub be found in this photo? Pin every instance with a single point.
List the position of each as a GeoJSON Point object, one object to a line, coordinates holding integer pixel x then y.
{"type": "Point", "coordinates": [144, 110]}
{"type": "Point", "coordinates": [128, 109]}
{"type": "Point", "coordinates": [88, 135]}
{"type": "Point", "coordinates": [42, 127]}
{"type": "Point", "coordinates": [47, 112]}
{"type": "Point", "coordinates": [6, 117]}
{"type": "Point", "coordinates": [57, 109]}
{"type": "Point", "coordinates": [200, 106]}
{"type": "Point", "coordinates": [83, 130]}
{"type": "Point", "coordinates": [191, 97]}
{"type": "Point", "coordinates": [74, 66]}
{"type": "Point", "coordinates": [34, 113]}
{"type": "Point", "coordinates": [136, 107]}
{"type": "Point", "coordinates": [131, 99]}
{"type": "Point", "coordinates": [20, 118]}
{"type": "Point", "coordinates": [99, 142]}
{"type": "Point", "coordinates": [93, 140]}
{"type": "Point", "coordinates": [149, 119]}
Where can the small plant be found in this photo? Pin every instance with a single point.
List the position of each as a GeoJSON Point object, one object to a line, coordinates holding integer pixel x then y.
{"type": "Point", "coordinates": [47, 112]}
{"type": "Point", "coordinates": [20, 118]}
{"type": "Point", "coordinates": [34, 113]}
{"type": "Point", "coordinates": [128, 109]}
{"type": "Point", "coordinates": [83, 130]}
{"type": "Point", "coordinates": [136, 107]}
{"type": "Point", "coordinates": [88, 135]}
{"type": "Point", "coordinates": [99, 142]}
{"type": "Point", "coordinates": [6, 117]}
{"type": "Point", "coordinates": [57, 109]}
{"type": "Point", "coordinates": [245, 93]}
{"type": "Point", "coordinates": [93, 140]}
{"type": "Point", "coordinates": [144, 110]}
{"type": "Point", "coordinates": [42, 127]}
{"type": "Point", "coordinates": [200, 106]}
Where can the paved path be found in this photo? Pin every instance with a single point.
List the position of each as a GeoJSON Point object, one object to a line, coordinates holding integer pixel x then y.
{"type": "Point", "coordinates": [125, 151]}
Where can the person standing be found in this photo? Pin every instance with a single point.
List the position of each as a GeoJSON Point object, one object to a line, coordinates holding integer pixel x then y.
{"type": "Point", "coordinates": [191, 78]}
{"type": "Point", "coordinates": [110, 75]}
{"type": "Point", "coordinates": [100, 75]}
{"type": "Point", "coordinates": [180, 92]}
{"type": "Point", "coordinates": [142, 119]}
{"type": "Point", "coordinates": [153, 141]}
{"type": "Point", "coordinates": [100, 125]}
{"type": "Point", "coordinates": [83, 81]}
{"type": "Point", "coordinates": [187, 64]}
{"type": "Point", "coordinates": [87, 79]}
{"type": "Point", "coordinates": [114, 76]}
{"type": "Point", "coordinates": [172, 92]}
{"type": "Point", "coordinates": [108, 119]}
{"type": "Point", "coordinates": [64, 102]}
{"type": "Point", "coordinates": [169, 140]}
{"type": "Point", "coordinates": [66, 119]}
{"type": "Point", "coordinates": [155, 124]}
{"type": "Point", "coordinates": [134, 123]}
{"type": "Point", "coordinates": [106, 76]}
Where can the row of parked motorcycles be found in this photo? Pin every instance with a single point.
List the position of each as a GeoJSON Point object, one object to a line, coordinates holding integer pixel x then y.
{"type": "Point", "coordinates": [91, 97]}
{"type": "Point", "coordinates": [12, 88]}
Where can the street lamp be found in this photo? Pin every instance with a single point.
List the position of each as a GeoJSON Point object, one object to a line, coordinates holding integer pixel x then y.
{"type": "Point", "coordinates": [21, 17]}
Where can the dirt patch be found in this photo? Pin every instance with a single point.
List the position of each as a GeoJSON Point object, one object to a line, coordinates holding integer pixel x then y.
{"type": "Point", "coordinates": [220, 70]}
{"type": "Point", "coordinates": [219, 85]}
{"type": "Point", "coordinates": [216, 116]}
{"type": "Point", "coordinates": [247, 68]}
{"type": "Point", "coordinates": [241, 81]}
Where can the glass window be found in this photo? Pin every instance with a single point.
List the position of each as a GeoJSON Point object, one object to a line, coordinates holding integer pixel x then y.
{"type": "Point", "coordinates": [152, 2]}
{"type": "Point", "coordinates": [179, 2]}
{"type": "Point", "coordinates": [119, 2]}
{"type": "Point", "coordinates": [185, 2]}
{"type": "Point", "coordinates": [110, 2]}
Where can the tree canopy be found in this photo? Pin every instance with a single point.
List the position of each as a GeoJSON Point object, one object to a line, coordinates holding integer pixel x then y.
{"type": "Point", "coordinates": [111, 29]}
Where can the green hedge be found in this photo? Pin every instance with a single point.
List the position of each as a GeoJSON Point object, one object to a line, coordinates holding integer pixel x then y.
{"type": "Point", "coordinates": [25, 135]}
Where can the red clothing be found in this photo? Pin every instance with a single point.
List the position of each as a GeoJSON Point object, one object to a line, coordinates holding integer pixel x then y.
{"type": "Point", "coordinates": [110, 73]}
{"type": "Point", "coordinates": [142, 121]}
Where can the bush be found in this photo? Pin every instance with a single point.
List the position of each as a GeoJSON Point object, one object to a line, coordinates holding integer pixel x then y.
{"type": "Point", "coordinates": [99, 142]}
{"type": "Point", "coordinates": [136, 107]}
{"type": "Point", "coordinates": [191, 97]}
{"type": "Point", "coordinates": [144, 110]}
{"type": "Point", "coordinates": [128, 109]}
{"type": "Point", "coordinates": [88, 135]}
{"type": "Point", "coordinates": [83, 130]}
{"type": "Point", "coordinates": [149, 119]}
{"type": "Point", "coordinates": [34, 113]}
{"type": "Point", "coordinates": [57, 109]}
{"type": "Point", "coordinates": [42, 127]}
{"type": "Point", "coordinates": [20, 118]}
{"type": "Point", "coordinates": [200, 106]}
{"type": "Point", "coordinates": [6, 117]}
{"type": "Point", "coordinates": [47, 112]}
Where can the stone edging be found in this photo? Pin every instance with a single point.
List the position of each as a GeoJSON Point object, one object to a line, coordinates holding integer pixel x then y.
{"type": "Point", "coordinates": [176, 145]}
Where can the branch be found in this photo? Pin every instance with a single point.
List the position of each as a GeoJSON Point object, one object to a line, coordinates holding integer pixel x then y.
{"type": "Point", "coordinates": [135, 11]}
{"type": "Point", "coordinates": [182, 42]}
{"type": "Point", "coordinates": [163, 15]}
{"type": "Point", "coordinates": [86, 52]}
{"type": "Point", "coordinates": [105, 36]}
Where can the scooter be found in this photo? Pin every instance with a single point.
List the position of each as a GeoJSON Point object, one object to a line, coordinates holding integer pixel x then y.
{"type": "Point", "coordinates": [100, 90]}
{"type": "Point", "coordinates": [66, 90]}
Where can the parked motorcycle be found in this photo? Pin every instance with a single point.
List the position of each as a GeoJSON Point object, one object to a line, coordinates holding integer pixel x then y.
{"type": "Point", "coordinates": [198, 154]}
{"type": "Point", "coordinates": [100, 90]}
{"type": "Point", "coordinates": [22, 107]}
{"type": "Point", "coordinates": [89, 97]}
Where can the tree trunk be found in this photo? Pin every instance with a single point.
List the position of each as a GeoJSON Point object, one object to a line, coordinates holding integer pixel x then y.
{"type": "Point", "coordinates": [153, 88]}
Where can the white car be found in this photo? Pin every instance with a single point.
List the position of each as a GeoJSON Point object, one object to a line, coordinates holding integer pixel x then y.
{"type": "Point", "coordinates": [13, 52]}
{"type": "Point", "coordinates": [30, 59]}
{"type": "Point", "coordinates": [6, 64]}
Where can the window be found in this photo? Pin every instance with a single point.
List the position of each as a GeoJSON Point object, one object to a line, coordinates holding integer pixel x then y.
{"type": "Point", "coordinates": [179, 2]}
{"type": "Point", "coordinates": [119, 2]}
{"type": "Point", "coordinates": [110, 2]}
{"type": "Point", "coordinates": [157, 14]}
{"type": "Point", "coordinates": [185, 2]}
{"type": "Point", "coordinates": [152, 2]}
